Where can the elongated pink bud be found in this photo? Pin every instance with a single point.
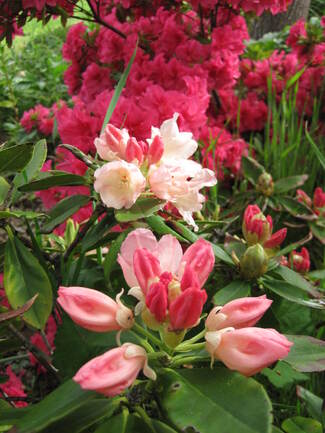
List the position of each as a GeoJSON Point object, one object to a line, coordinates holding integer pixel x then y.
{"type": "Point", "coordinates": [111, 144]}
{"type": "Point", "coordinates": [248, 350]}
{"type": "Point", "coordinates": [156, 150]}
{"type": "Point", "coordinates": [133, 151]}
{"type": "Point", "coordinates": [146, 268]}
{"type": "Point", "coordinates": [186, 309]}
{"type": "Point", "coordinates": [93, 310]}
{"type": "Point", "coordinates": [115, 370]}
{"type": "Point", "coordinates": [189, 279]}
{"type": "Point", "coordinates": [157, 300]}
{"type": "Point", "coordinates": [276, 239]}
{"type": "Point", "coordinates": [201, 259]}
{"type": "Point", "coordinates": [240, 313]}
{"type": "Point", "coordinates": [256, 227]}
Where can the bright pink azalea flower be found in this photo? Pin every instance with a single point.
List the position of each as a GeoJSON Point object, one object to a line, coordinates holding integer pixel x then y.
{"type": "Point", "coordinates": [94, 310]}
{"type": "Point", "coordinates": [247, 350]}
{"type": "Point", "coordinates": [300, 262]}
{"type": "Point", "coordinates": [240, 313]}
{"type": "Point", "coordinates": [169, 283]}
{"type": "Point", "coordinates": [115, 370]}
{"type": "Point", "coordinates": [258, 229]}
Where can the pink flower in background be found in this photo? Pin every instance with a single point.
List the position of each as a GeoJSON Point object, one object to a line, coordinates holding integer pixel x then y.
{"type": "Point", "coordinates": [300, 262]}
{"type": "Point", "coordinates": [119, 184]}
{"type": "Point", "coordinates": [13, 387]}
{"type": "Point", "coordinates": [115, 370]}
{"type": "Point", "coordinates": [319, 201]}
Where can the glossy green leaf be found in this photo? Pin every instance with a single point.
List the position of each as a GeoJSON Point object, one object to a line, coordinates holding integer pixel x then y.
{"type": "Point", "coordinates": [15, 158]}
{"type": "Point", "coordinates": [315, 405]}
{"type": "Point", "coordinates": [218, 400]}
{"type": "Point", "coordinates": [276, 430]}
{"type": "Point", "coordinates": [63, 210]}
{"type": "Point", "coordinates": [84, 416]}
{"type": "Point", "coordinates": [4, 188]}
{"type": "Point", "coordinates": [54, 178]}
{"type": "Point", "coordinates": [24, 277]}
{"type": "Point", "coordinates": [125, 423]}
{"type": "Point", "coordinates": [295, 279]}
{"type": "Point", "coordinates": [144, 207]}
{"type": "Point", "coordinates": [34, 165]}
{"type": "Point", "coordinates": [307, 353]}
{"type": "Point", "coordinates": [111, 256]}
{"type": "Point", "coordinates": [283, 375]}
{"type": "Point", "coordinates": [287, 183]}
{"type": "Point", "coordinates": [299, 424]}
{"type": "Point", "coordinates": [292, 293]}
{"type": "Point", "coordinates": [236, 289]}
{"type": "Point", "coordinates": [118, 90]}
{"type": "Point", "coordinates": [55, 406]}
{"type": "Point", "coordinates": [252, 169]}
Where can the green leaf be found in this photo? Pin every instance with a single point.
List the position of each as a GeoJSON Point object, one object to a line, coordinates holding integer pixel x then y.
{"type": "Point", "coordinates": [236, 289]}
{"type": "Point", "coordinates": [97, 233]}
{"type": "Point", "coordinates": [294, 207]}
{"type": "Point", "coordinates": [252, 169]}
{"type": "Point", "coordinates": [125, 423]}
{"type": "Point", "coordinates": [54, 179]}
{"type": "Point", "coordinates": [294, 278]}
{"type": "Point", "coordinates": [24, 277]}
{"type": "Point", "coordinates": [287, 183]}
{"type": "Point", "coordinates": [158, 225]}
{"type": "Point", "coordinates": [314, 404]}
{"type": "Point", "coordinates": [84, 416]}
{"type": "Point", "coordinates": [15, 158]}
{"type": "Point", "coordinates": [318, 231]}
{"type": "Point", "coordinates": [299, 424]}
{"type": "Point", "coordinates": [292, 293]}
{"type": "Point", "coordinates": [63, 210]}
{"type": "Point", "coordinates": [111, 256]}
{"type": "Point", "coordinates": [283, 375]}
{"type": "Point", "coordinates": [211, 401]}
{"type": "Point", "coordinates": [34, 165]}
{"type": "Point", "coordinates": [144, 207]}
{"type": "Point", "coordinates": [318, 153]}
{"type": "Point", "coordinates": [307, 353]}
{"type": "Point", "coordinates": [21, 214]}
{"type": "Point", "coordinates": [55, 406]}
{"type": "Point", "coordinates": [4, 188]}
{"type": "Point", "coordinates": [276, 430]}
{"type": "Point", "coordinates": [319, 274]}
{"type": "Point", "coordinates": [78, 345]}
{"type": "Point", "coordinates": [118, 90]}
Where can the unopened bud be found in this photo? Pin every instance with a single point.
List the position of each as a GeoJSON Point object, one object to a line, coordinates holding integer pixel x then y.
{"type": "Point", "coordinates": [265, 184]}
{"type": "Point", "coordinates": [254, 262]}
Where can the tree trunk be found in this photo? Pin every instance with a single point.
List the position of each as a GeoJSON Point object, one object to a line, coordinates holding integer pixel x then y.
{"type": "Point", "coordinates": [274, 23]}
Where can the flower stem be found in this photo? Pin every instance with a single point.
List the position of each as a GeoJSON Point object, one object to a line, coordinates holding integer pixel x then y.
{"type": "Point", "coordinates": [188, 347]}
{"type": "Point", "coordinates": [154, 340]}
{"type": "Point", "coordinates": [185, 343]}
{"type": "Point", "coordinates": [188, 360]}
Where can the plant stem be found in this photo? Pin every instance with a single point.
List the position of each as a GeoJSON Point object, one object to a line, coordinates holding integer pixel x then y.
{"type": "Point", "coordinates": [13, 358]}
{"type": "Point", "coordinates": [150, 336]}
{"type": "Point", "coordinates": [185, 343]}
{"type": "Point", "coordinates": [188, 360]}
{"type": "Point", "coordinates": [188, 347]}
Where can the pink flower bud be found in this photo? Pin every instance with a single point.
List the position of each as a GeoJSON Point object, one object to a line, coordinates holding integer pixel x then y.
{"type": "Point", "coordinates": [201, 259]}
{"type": "Point", "coordinates": [156, 150]}
{"type": "Point", "coordinates": [302, 197]}
{"type": "Point", "coordinates": [189, 279]}
{"type": "Point", "coordinates": [146, 267]}
{"type": "Point", "coordinates": [157, 300]}
{"type": "Point", "coordinates": [319, 201]}
{"type": "Point", "coordinates": [300, 262]}
{"type": "Point", "coordinates": [119, 184]}
{"type": "Point", "coordinates": [247, 350]}
{"type": "Point", "coordinates": [239, 313]}
{"type": "Point", "coordinates": [93, 310]}
{"type": "Point", "coordinates": [115, 370]}
{"type": "Point", "coordinates": [276, 239]}
{"type": "Point", "coordinates": [256, 227]}
{"type": "Point", "coordinates": [186, 309]}
{"type": "Point", "coordinates": [133, 151]}
{"type": "Point", "coordinates": [112, 143]}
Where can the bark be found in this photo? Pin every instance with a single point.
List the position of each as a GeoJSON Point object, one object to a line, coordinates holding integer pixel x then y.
{"type": "Point", "coordinates": [273, 23]}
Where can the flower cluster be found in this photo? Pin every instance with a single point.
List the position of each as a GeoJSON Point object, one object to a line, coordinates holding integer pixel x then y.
{"type": "Point", "coordinates": [317, 204]}
{"type": "Point", "coordinates": [161, 162]}
{"type": "Point", "coordinates": [169, 287]}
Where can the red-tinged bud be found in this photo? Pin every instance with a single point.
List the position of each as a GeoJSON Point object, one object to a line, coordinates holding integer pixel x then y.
{"type": "Point", "coordinates": [156, 150]}
{"type": "Point", "coordinates": [157, 300]}
{"type": "Point", "coordinates": [284, 261]}
{"type": "Point", "coordinates": [300, 262]}
{"type": "Point", "coordinates": [319, 201]}
{"type": "Point", "coordinates": [302, 197]}
{"type": "Point", "coordinates": [189, 279]}
{"type": "Point", "coordinates": [201, 259]}
{"type": "Point", "coordinates": [276, 239]}
{"type": "Point", "coordinates": [254, 262]}
{"type": "Point", "coordinates": [256, 227]}
{"type": "Point", "coordinates": [146, 268]}
{"type": "Point", "coordinates": [186, 309]}
{"type": "Point", "coordinates": [133, 151]}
